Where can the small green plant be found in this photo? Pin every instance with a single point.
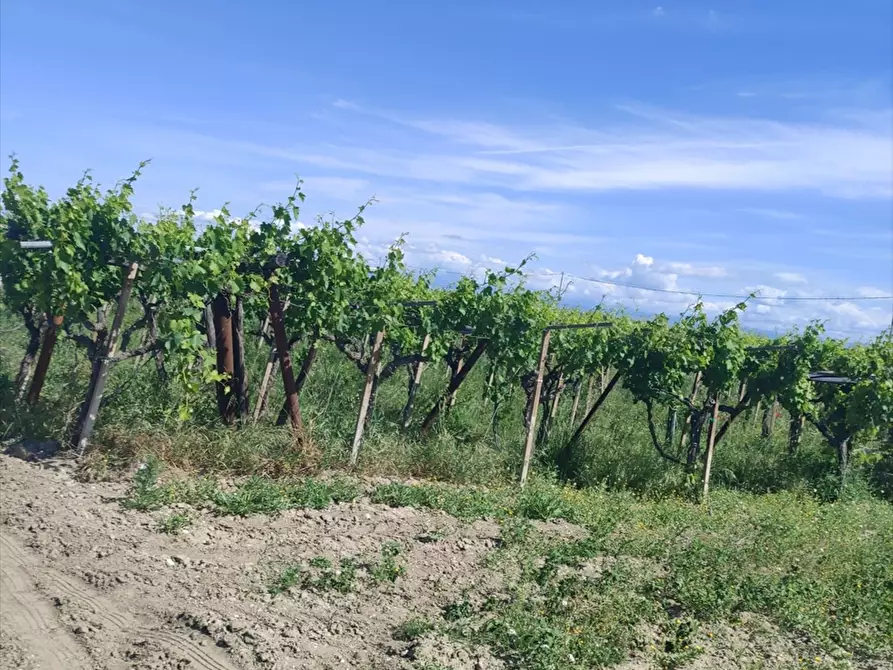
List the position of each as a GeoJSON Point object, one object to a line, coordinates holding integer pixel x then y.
{"type": "Point", "coordinates": [174, 523]}
{"type": "Point", "coordinates": [341, 579]}
{"type": "Point", "coordinates": [412, 628]}
{"type": "Point", "coordinates": [461, 609]}
{"type": "Point", "coordinates": [387, 569]}
{"type": "Point", "coordinates": [145, 494]}
{"type": "Point", "coordinates": [677, 647]}
{"type": "Point", "coordinates": [514, 532]}
{"type": "Point", "coordinates": [291, 576]}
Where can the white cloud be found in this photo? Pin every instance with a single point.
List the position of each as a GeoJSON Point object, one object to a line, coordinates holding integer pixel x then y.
{"type": "Point", "coordinates": [871, 291]}
{"type": "Point", "coordinates": [659, 11]}
{"type": "Point", "coordinates": [644, 261]}
{"type": "Point", "coordinates": [790, 277]}
{"type": "Point", "coordinates": [432, 255]}
{"type": "Point", "coordinates": [690, 270]}
{"type": "Point", "coordinates": [207, 216]}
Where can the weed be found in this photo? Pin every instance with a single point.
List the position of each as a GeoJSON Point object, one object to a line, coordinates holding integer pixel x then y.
{"type": "Point", "coordinates": [291, 576]}
{"type": "Point", "coordinates": [387, 569]}
{"type": "Point", "coordinates": [145, 494]}
{"type": "Point", "coordinates": [412, 628]}
{"type": "Point", "coordinates": [461, 609]}
{"type": "Point", "coordinates": [174, 523]}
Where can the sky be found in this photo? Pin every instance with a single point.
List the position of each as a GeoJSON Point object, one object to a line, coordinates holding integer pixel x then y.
{"type": "Point", "coordinates": [720, 148]}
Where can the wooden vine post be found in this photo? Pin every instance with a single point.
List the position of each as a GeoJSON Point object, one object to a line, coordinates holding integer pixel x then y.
{"type": "Point", "coordinates": [94, 399]}
{"type": "Point", "coordinates": [711, 443]}
{"type": "Point", "coordinates": [452, 400]}
{"type": "Point", "coordinates": [590, 391]}
{"type": "Point", "coordinates": [371, 370]}
{"type": "Point", "coordinates": [264, 389]}
{"type": "Point", "coordinates": [531, 420]}
{"type": "Point", "coordinates": [414, 385]}
{"type": "Point", "coordinates": [576, 405]}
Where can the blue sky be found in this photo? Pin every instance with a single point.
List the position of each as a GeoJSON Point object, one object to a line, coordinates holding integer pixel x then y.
{"type": "Point", "coordinates": [722, 147]}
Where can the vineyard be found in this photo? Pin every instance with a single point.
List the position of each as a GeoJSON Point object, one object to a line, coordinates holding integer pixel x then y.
{"type": "Point", "coordinates": [252, 346]}
{"type": "Point", "coordinates": [200, 301]}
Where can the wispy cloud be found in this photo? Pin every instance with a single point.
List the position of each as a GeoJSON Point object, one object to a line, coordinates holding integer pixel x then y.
{"type": "Point", "coordinates": [778, 214]}
{"type": "Point", "coordinates": [662, 150]}
{"type": "Point", "coordinates": [791, 277]}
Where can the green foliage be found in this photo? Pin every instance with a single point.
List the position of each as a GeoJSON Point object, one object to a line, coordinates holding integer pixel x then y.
{"type": "Point", "coordinates": [411, 629]}
{"type": "Point", "coordinates": [174, 523]}
{"type": "Point", "coordinates": [319, 575]}
{"type": "Point", "coordinates": [260, 495]}
{"type": "Point", "coordinates": [387, 569]}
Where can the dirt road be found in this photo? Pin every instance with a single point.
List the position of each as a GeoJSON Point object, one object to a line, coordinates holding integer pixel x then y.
{"type": "Point", "coordinates": [88, 585]}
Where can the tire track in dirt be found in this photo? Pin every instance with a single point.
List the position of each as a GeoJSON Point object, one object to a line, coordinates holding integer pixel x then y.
{"type": "Point", "coordinates": [116, 623]}
{"type": "Point", "coordinates": [32, 622]}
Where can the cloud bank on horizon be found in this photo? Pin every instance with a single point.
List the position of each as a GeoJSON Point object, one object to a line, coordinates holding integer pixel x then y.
{"type": "Point", "coordinates": [682, 148]}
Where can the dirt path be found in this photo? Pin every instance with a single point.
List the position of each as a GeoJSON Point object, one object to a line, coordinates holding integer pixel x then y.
{"type": "Point", "coordinates": [88, 585]}
{"type": "Point", "coordinates": [42, 640]}
{"type": "Point", "coordinates": [32, 636]}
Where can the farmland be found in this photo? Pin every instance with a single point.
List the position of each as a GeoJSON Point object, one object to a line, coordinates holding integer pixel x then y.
{"type": "Point", "coordinates": [256, 426]}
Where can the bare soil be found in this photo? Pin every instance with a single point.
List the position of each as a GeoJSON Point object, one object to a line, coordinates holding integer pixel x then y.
{"type": "Point", "coordinates": [88, 585]}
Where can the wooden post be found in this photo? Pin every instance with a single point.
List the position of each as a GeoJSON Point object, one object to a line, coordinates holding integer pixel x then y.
{"type": "Point", "coordinates": [769, 419]}
{"type": "Point", "coordinates": [414, 385]}
{"type": "Point", "coordinates": [454, 384]}
{"type": "Point", "coordinates": [210, 330]}
{"type": "Point", "coordinates": [590, 398]}
{"type": "Point", "coordinates": [264, 389]}
{"type": "Point", "coordinates": [576, 403]}
{"type": "Point", "coordinates": [94, 399]}
{"type": "Point", "coordinates": [43, 360]}
{"type": "Point", "coordinates": [265, 327]}
{"type": "Point", "coordinates": [371, 369]}
{"type": "Point", "coordinates": [223, 328]}
{"type": "Point", "coordinates": [711, 442]}
{"type": "Point", "coordinates": [452, 401]}
{"type": "Point", "coordinates": [531, 423]}
{"type": "Point", "coordinates": [240, 371]}
{"type": "Point", "coordinates": [288, 375]}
